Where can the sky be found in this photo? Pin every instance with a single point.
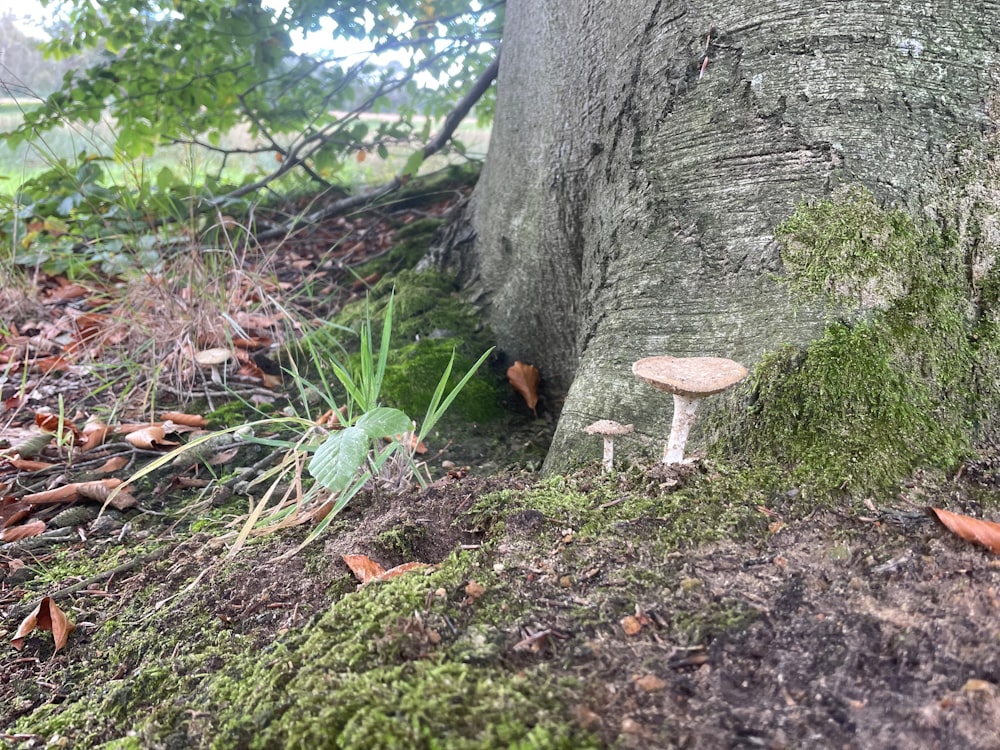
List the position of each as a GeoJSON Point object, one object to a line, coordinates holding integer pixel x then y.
{"type": "Point", "coordinates": [29, 9]}
{"type": "Point", "coordinates": [32, 9]}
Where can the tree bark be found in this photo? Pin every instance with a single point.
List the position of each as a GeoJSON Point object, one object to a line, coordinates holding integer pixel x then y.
{"type": "Point", "coordinates": [644, 151]}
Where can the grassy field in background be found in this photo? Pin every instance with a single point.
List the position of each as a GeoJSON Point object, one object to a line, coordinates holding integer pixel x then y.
{"type": "Point", "coordinates": [191, 163]}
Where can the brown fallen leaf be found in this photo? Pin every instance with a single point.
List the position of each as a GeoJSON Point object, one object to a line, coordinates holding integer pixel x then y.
{"type": "Point", "coordinates": [101, 489]}
{"type": "Point", "coordinates": [525, 379]}
{"type": "Point", "coordinates": [409, 441]}
{"type": "Point", "coordinates": [94, 433]}
{"type": "Point", "coordinates": [630, 625]}
{"type": "Point", "coordinates": [46, 616]}
{"type": "Point", "coordinates": [649, 683]}
{"type": "Point", "coordinates": [65, 493]}
{"type": "Point", "coordinates": [986, 533]}
{"type": "Point", "coordinates": [188, 420]}
{"type": "Point", "coordinates": [474, 590]}
{"type": "Point", "coordinates": [974, 685]}
{"type": "Point", "coordinates": [112, 464]}
{"type": "Point", "coordinates": [26, 464]}
{"type": "Point", "coordinates": [367, 570]}
{"type": "Point", "coordinates": [63, 428]}
{"type": "Point", "coordinates": [363, 567]}
{"type": "Point", "coordinates": [399, 570]}
{"type": "Point", "coordinates": [12, 511]}
{"type": "Point", "coordinates": [25, 530]}
{"type": "Point", "coordinates": [150, 437]}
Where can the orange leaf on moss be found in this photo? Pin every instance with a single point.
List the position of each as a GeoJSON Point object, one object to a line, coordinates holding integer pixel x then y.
{"type": "Point", "coordinates": [363, 567]}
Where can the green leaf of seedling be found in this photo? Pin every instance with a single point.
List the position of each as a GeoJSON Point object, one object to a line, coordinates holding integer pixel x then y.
{"type": "Point", "coordinates": [340, 457]}
{"type": "Point", "coordinates": [412, 165]}
{"type": "Point", "coordinates": [439, 401]}
{"type": "Point", "coordinates": [384, 422]}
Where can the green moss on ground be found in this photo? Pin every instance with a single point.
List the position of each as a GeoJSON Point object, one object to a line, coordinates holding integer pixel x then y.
{"type": "Point", "coordinates": [385, 668]}
{"type": "Point", "coordinates": [410, 246]}
{"type": "Point", "coordinates": [704, 507]}
{"type": "Point", "coordinates": [898, 380]}
{"type": "Point", "coordinates": [421, 660]}
{"type": "Point", "coordinates": [430, 322]}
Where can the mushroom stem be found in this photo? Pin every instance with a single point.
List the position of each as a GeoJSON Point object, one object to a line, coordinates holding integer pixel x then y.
{"type": "Point", "coordinates": [609, 453]}
{"type": "Point", "coordinates": [684, 413]}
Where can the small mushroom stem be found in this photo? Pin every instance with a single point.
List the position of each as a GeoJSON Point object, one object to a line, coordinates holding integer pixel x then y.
{"type": "Point", "coordinates": [609, 453]}
{"type": "Point", "coordinates": [684, 413]}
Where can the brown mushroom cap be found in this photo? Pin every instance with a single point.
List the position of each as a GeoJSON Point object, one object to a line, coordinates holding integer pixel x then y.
{"type": "Point", "coordinates": [608, 427]}
{"type": "Point", "coordinates": [689, 376]}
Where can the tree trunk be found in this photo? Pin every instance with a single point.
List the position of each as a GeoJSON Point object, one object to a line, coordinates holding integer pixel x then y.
{"type": "Point", "coordinates": [644, 151]}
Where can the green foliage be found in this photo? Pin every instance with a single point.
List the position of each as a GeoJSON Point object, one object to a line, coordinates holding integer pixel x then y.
{"type": "Point", "coordinates": [192, 70]}
{"type": "Point", "coordinates": [344, 452]}
{"type": "Point", "coordinates": [847, 414]}
{"type": "Point", "coordinates": [77, 219]}
{"type": "Point", "coordinates": [414, 370]}
{"type": "Point", "coordinates": [897, 386]}
{"type": "Point", "coordinates": [424, 704]}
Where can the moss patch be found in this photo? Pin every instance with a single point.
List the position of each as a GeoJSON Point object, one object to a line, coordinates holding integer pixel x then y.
{"type": "Point", "coordinates": [896, 382]}
{"type": "Point", "coordinates": [430, 322]}
{"type": "Point", "coordinates": [410, 246]}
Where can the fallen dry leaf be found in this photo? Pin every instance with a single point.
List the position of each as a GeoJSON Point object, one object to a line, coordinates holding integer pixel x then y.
{"type": "Point", "coordinates": [25, 530]}
{"type": "Point", "coordinates": [102, 489]}
{"type": "Point", "coordinates": [986, 533]}
{"type": "Point", "coordinates": [52, 423]}
{"type": "Point", "coordinates": [649, 683]}
{"type": "Point", "coordinates": [630, 625]}
{"type": "Point", "coordinates": [94, 433]}
{"type": "Point", "coordinates": [63, 494]}
{"type": "Point", "coordinates": [25, 464]}
{"type": "Point", "coordinates": [363, 567]}
{"type": "Point", "coordinates": [46, 616]}
{"type": "Point", "coordinates": [223, 457]}
{"type": "Point", "coordinates": [410, 442]}
{"type": "Point", "coordinates": [150, 437]}
{"type": "Point", "coordinates": [399, 570]}
{"type": "Point", "coordinates": [112, 464]}
{"type": "Point", "coordinates": [474, 590]}
{"type": "Point", "coordinates": [367, 570]}
{"type": "Point", "coordinates": [188, 420]}
{"type": "Point", "coordinates": [973, 685]}
{"type": "Point", "coordinates": [525, 379]}
{"type": "Point", "coordinates": [12, 511]}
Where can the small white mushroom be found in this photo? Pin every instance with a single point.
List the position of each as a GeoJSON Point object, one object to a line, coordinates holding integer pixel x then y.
{"type": "Point", "coordinates": [689, 379]}
{"type": "Point", "coordinates": [608, 428]}
{"type": "Point", "coordinates": [213, 358]}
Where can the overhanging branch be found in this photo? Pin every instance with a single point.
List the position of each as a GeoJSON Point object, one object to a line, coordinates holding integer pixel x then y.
{"type": "Point", "coordinates": [435, 144]}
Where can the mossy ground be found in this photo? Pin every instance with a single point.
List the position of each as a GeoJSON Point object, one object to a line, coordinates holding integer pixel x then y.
{"type": "Point", "coordinates": [584, 611]}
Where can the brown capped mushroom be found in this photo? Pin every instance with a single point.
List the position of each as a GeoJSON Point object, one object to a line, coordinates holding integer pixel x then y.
{"type": "Point", "coordinates": [689, 379]}
{"type": "Point", "coordinates": [608, 428]}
